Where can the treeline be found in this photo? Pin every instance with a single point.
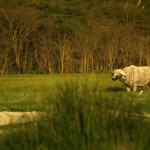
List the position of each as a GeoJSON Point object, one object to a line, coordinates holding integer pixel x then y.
{"type": "Point", "coordinates": [73, 36]}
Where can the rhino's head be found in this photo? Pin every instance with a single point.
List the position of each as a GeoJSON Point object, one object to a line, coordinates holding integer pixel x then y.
{"type": "Point", "coordinates": [119, 74]}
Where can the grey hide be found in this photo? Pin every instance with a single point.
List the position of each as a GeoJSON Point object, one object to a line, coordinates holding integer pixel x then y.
{"type": "Point", "coordinates": [133, 76]}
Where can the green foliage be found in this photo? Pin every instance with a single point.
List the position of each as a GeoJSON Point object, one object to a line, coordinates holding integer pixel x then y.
{"type": "Point", "coordinates": [104, 33]}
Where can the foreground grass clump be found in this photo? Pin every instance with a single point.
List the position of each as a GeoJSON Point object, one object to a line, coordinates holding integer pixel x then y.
{"type": "Point", "coordinates": [84, 117]}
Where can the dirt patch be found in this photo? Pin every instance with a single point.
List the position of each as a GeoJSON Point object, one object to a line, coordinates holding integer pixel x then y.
{"type": "Point", "coordinates": [19, 117]}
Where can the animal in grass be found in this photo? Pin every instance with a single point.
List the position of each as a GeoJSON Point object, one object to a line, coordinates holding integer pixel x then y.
{"type": "Point", "coordinates": [133, 76]}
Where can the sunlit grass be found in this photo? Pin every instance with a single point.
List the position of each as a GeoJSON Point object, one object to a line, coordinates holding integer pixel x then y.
{"type": "Point", "coordinates": [33, 92]}
{"type": "Point", "coordinates": [83, 112]}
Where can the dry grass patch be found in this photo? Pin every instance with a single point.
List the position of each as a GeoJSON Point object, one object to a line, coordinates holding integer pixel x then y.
{"type": "Point", "coordinates": [19, 117]}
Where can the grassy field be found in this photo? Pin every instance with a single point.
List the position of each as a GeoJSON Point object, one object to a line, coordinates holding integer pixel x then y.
{"type": "Point", "coordinates": [88, 112]}
{"type": "Point", "coordinates": [32, 92]}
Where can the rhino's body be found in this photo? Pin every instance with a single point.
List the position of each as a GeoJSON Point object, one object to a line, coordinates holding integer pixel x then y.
{"type": "Point", "coordinates": [133, 76]}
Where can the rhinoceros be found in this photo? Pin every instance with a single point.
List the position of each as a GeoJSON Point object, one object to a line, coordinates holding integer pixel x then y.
{"type": "Point", "coordinates": [133, 76]}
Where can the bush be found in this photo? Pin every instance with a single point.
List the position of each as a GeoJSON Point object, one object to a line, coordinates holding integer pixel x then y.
{"type": "Point", "coordinates": [82, 118]}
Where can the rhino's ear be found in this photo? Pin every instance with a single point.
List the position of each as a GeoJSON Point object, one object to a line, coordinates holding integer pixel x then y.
{"type": "Point", "coordinates": [122, 72]}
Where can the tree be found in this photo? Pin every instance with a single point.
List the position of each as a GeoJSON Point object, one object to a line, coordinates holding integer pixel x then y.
{"type": "Point", "coordinates": [44, 53]}
{"type": "Point", "coordinates": [64, 46]}
{"type": "Point", "coordinates": [70, 36]}
{"type": "Point", "coordinates": [16, 29]}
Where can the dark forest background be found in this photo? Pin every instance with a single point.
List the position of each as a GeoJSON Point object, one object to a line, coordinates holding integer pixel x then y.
{"type": "Point", "coordinates": [73, 36]}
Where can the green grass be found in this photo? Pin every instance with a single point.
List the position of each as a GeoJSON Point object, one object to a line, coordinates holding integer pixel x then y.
{"type": "Point", "coordinates": [86, 112]}
{"type": "Point", "coordinates": [32, 92]}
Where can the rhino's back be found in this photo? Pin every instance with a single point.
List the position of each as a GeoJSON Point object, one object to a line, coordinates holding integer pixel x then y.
{"type": "Point", "coordinates": [138, 76]}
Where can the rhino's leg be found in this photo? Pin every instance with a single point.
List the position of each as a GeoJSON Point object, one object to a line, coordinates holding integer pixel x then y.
{"type": "Point", "coordinates": [134, 88]}
{"type": "Point", "coordinates": [148, 85]}
{"type": "Point", "coordinates": [128, 88]}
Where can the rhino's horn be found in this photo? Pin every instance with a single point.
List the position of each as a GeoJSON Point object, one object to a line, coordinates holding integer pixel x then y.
{"type": "Point", "coordinates": [122, 72]}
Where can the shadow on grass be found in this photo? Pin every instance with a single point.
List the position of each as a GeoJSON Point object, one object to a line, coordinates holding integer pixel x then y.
{"type": "Point", "coordinates": [115, 89]}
